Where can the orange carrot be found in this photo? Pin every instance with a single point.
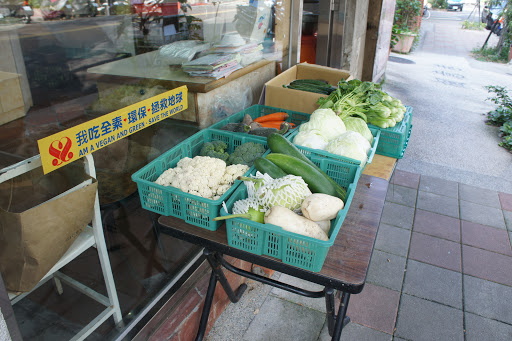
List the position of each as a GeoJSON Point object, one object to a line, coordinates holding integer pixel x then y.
{"type": "Point", "coordinates": [277, 116]}
{"type": "Point", "coordinates": [271, 124]}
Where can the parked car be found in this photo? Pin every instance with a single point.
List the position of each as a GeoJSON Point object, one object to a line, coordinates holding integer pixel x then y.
{"type": "Point", "coordinates": [16, 9]}
{"type": "Point", "coordinates": [455, 5]}
{"type": "Point", "coordinates": [58, 9]}
{"type": "Point", "coordinates": [84, 8]}
{"type": "Point", "coordinates": [491, 13]}
{"type": "Point", "coordinates": [64, 9]}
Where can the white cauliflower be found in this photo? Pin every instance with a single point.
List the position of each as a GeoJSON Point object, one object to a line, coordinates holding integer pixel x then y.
{"type": "Point", "coordinates": [232, 172]}
{"type": "Point", "coordinates": [202, 176]}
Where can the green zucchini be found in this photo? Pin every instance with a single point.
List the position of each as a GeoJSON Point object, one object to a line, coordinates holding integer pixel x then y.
{"type": "Point", "coordinates": [311, 85]}
{"type": "Point", "coordinates": [236, 127]}
{"type": "Point", "coordinates": [308, 89]}
{"type": "Point", "coordinates": [317, 183]}
{"type": "Point", "coordinates": [322, 87]}
{"type": "Point", "coordinates": [266, 166]}
{"type": "Point", "coordinates": [263, 131]}
{"type": "Point", "coordinates": [310, 81]}
{"type": "Point", "coordinates": [278, 144]}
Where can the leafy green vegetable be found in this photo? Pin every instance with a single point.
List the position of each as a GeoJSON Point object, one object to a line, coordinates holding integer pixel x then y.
{"type": "Point", "coordinates": [358, 125]}
{"type": "Point", "coordinates": [326, 121]}
{"type": "Point", "coordinates": [366, 100]}
{"type": "Point", "coordinates": [350, 144]}
{"type": "Point", "coordinates": [311, 138]}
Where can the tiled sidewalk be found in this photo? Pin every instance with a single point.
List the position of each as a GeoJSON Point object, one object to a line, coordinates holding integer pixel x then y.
{"type": "Point", "coordinates": [441, 270]}
{"type": "Point", "coordinates": [443, 253]}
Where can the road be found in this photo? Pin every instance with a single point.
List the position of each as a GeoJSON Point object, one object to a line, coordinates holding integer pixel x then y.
{"type": "Point", "coordinates": [226, 12]}
{"type": "Point", "coordinates": [470, 12]}
{"type": "Point", "coordinates": [446, 87]}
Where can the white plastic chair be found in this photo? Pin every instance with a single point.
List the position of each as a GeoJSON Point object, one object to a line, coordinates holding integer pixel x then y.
{"type": "Point", "coordinates": [92, 236]}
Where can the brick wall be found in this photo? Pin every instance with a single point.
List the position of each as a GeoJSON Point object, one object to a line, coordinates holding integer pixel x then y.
{"type": "Point", "coordinates": [178, 319]}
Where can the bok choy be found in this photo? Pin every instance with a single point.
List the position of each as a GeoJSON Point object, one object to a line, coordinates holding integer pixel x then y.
{"type": "Point", "coordinates": [366, 100]}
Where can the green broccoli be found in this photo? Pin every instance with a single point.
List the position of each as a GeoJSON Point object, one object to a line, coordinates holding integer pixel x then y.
{"type": "Point", "coordinates": [246, 153]}
{"type": "Point", "coordinates": [216, 149]}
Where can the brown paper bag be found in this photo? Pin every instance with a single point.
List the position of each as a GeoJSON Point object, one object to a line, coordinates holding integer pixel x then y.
{"type": "Point", "coordinates": [32, 240]}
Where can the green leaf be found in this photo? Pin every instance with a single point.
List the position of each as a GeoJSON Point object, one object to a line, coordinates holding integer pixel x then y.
{"type": "Point", "coordinates": [375, 98]}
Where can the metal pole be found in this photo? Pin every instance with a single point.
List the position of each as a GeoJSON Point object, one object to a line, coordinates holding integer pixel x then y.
{"type": "Point", "coordinates": [479, 14]}
{"type": "Point", "coordinates": [492, 30]}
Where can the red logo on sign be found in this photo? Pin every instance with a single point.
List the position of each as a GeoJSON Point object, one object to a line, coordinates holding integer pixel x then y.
{"type": "Point", "coordinates": [60, 150]}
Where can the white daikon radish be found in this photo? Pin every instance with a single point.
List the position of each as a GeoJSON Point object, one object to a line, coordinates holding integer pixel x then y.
{"type": "Point", "coordinates": [292, 222]}
{"type": "Point", "coordinates": [325, 225]}
{"type": "Point", "coordinates": [319, 206]}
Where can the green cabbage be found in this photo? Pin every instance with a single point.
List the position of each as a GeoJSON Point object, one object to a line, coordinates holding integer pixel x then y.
{"type": "Point", "coordinates": [358, 125]}
{"type": "Point", "coordinates": [327, 122]}
{"type": "Point", "coordinates": [350, 144]}
{"type": "Point", "coordinates": [312, 139]}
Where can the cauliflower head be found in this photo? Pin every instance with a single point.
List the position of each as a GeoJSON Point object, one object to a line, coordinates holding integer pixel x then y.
{"type": "Point", "coordinates": [204, 176]}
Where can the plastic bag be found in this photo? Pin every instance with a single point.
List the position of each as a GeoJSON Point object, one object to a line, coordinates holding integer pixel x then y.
{"type": "Point", "coordinates": [181, 51]}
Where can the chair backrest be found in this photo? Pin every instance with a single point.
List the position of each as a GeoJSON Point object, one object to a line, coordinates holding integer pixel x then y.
{"type": "Point", "coordinates": [34, 162]}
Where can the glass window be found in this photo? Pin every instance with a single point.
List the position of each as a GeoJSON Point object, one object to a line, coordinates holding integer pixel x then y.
{"type": "Point", "coordinates": [65, 62]}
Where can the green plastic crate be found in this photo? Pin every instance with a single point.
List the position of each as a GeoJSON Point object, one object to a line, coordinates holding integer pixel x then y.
{"type": "Point", "coordinates": [294, 249]}
{"type": "Point", "coordinates": [393, 141]}
{"type": "Point", "coordinates": [322, 153]}
{"type": "Point", "coordinates": [170, 201]}
{"type": "Point", "coordinates": [259, 110]}
{"type": "Point", "coordinates": [406, 142]}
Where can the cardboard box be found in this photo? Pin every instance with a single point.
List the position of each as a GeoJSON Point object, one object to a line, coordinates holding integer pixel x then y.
{"type": "Point", "coordinates": [277, 96]}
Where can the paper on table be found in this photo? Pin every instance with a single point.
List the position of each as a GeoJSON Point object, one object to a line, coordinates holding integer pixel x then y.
{"type": "Point", "coordinates": [210, 62]}
{"type": "Point", "coordinates": [221, 72]}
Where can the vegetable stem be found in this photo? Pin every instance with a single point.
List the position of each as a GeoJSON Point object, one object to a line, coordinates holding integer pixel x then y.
{"type": "Point", "coordinates": [242, 215]}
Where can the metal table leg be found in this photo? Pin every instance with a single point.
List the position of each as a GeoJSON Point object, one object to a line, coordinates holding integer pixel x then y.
{"type": "Point", "coordinates": [330, 309]}
{"type": "Point", "coordinates": [217, 275]}
{"type": "Point", "coordinates": [341, 320]}
{"type": "Point", "coordinates": [207, 306]}
{"type": "Point", "coordinates": [335, 322]}
{"type": "Point", "coordinates": [332, 321]}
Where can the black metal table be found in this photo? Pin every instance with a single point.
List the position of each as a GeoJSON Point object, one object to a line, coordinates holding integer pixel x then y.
{"type": "Point", "coordinates": [344, 269]}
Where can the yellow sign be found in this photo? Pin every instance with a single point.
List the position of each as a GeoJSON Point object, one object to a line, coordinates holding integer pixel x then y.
{"type": "Point", "coordinates": [71, 144]}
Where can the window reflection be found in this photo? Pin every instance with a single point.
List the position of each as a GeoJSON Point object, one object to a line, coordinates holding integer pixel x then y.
{"type": "Point", "coordinates": [64, 62]}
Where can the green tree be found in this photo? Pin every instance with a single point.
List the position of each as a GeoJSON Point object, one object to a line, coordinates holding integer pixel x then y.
{"type": "Point", "coordinates": [439, 4]}
{"type": "Point", "coordinates": [406, 13]}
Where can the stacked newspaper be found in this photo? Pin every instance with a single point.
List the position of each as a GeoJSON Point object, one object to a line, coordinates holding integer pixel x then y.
{"type": "Point", "coordinates": [213, 65]}
{"type": "Point", "coordinates": [249, 53]}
